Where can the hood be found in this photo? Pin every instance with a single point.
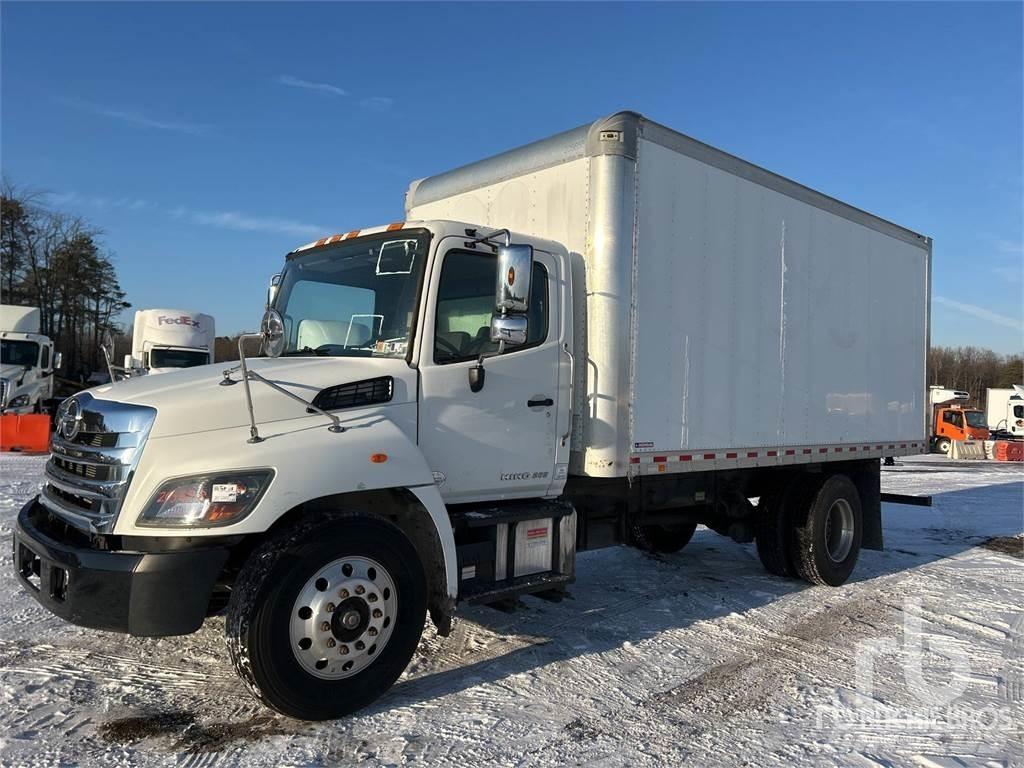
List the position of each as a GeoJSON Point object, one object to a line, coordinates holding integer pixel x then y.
{"type": "Point", "coordinates": [194, 400]}
{"type": "Point", "coordinates": [12, 372]}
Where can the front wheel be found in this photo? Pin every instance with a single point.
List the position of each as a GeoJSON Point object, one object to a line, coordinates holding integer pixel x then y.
{"type": "Point", "coordinates": [943, 444]}
{"type": "Point", "coordinates": [324, 618]}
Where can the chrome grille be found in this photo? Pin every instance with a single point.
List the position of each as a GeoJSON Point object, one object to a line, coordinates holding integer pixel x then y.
{"type": "Point", "coordinates": [89, 472]}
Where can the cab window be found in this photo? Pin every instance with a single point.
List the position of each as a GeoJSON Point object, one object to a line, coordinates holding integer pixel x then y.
{"type": "Point", "coordinates": [465, 298]}
{"type": "Point", "coordinates": [953, 417]}
{"type": "Point", "coordinates": [1018, 411]}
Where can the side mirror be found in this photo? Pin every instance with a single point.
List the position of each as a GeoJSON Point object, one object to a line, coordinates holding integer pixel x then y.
{"type": "Point", "coordinates": [512, 290]}
{"type": "Point", "coordinates": [272, 331]}
{"type": "Point", "coordinates": [509, 328]}
{"type": "Point", "coordinates": [58, 360]}
{"type": "Point", "coordinates": [275, 283]}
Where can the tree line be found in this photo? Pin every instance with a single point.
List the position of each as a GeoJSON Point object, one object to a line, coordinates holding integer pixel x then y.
{"type": "Point", "coordinates": [974, 369]}
{"type": "Point", "coordinates": [56, 262]}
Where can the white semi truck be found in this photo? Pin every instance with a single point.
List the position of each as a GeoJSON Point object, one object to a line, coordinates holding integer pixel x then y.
{"type": "Point", "coordinates": [1004, 410]}
{"type": "Point", "coordinates": [166, 340]}
{"type": "Point", "coordinates": [27, 361]}
{"type": "Point", "coordinates": [606, 337]}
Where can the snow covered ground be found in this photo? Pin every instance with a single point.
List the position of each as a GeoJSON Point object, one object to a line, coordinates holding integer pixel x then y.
{"type": "Point", "coordinates": [700, 655]}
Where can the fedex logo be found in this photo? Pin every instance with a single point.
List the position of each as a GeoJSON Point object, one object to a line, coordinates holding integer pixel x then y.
{"type": "Point", "coordinates": [183, 320]}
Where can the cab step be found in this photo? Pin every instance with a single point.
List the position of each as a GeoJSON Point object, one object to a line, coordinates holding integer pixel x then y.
{"type": "Point", "coordinates": [514, 549]}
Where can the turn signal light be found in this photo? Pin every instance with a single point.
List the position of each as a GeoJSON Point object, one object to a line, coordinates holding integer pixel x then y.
{"type": "Point", "coordinates": [378, 458]}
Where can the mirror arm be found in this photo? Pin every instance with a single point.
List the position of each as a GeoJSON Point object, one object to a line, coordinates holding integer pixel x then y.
{"type": "Point", "coordinates": [248, 375]}
{"type": "Point", "coordinates": [254, 434]}
{"type": "Point", "coordinates": [335, 421]}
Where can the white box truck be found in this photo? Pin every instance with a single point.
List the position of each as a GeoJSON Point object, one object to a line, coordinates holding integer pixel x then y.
{"type": "Point", "coordinates": [1004, 411]}
{"type": "Point", "coordinates": [27, 361]}
{"type": "Point", "coordinates": [166, 340]}
{"type": "Point", "coordinates": [606, 337]}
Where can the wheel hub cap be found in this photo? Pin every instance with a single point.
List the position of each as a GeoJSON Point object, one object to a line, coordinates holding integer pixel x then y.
{"type": "Point", "coordinates": [839, 525]}
{"type": "Point", "coordinates": [343, 617]}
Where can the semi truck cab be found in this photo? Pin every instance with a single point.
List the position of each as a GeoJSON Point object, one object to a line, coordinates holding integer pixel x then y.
{"type": "Point", "coordinates": [27, 362]}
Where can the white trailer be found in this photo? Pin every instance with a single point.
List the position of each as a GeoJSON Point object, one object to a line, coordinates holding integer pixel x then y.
{"type": "Point", "coordinates": [1004, 410]}
{"type": "Point", "coordinates": [166, 340]}
{"type": "Point", "coordinates": [605, 337]}
{"type": "Point", "coordinates": [27, 361]}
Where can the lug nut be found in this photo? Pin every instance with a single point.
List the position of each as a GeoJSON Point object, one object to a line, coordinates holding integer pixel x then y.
{"type": "Point", "coordinates": [343, 650]}
{"type": "Point", "coordinates": [330, 608]}
{"type": "Point", "coordinates": [330, 642]}
{"type": "Point", "coordinates": [372, 631]}
{"type": "Point", "coordinates": [372, 597]}
{"type": "Point", "coordinates": [343, 594]}
{"type": "Point", "coordinates": [360, 645]}
{"type": "Point", "coordinates": [326, 626]}
{"type": "Point", "coordinates": [360, 589]}
{"type": "Point", "coordinates": [377, 613]}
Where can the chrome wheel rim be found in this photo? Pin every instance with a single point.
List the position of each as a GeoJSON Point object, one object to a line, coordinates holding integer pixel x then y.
{"type": "Point", "coordinates": [343, 617]}
{"type": "Point", "coordinates": [839, 527]}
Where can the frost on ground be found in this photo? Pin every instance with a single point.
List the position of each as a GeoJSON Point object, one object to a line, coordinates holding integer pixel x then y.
{"type": "Point", "coordinates": [700, 655]}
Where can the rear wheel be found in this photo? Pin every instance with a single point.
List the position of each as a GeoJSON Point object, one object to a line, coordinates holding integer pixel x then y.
{"type": "Point", "coordinates": [663, 538]}
{"type": "Point", "coordinates": [827, 532]}
{"type": "Point", "coordinates": [773, 531]}
{"type": "Point", "coordinates": [323, 619]}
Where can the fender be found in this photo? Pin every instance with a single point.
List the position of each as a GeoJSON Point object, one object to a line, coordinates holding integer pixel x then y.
{"type": "Point", "coordinates": [309, 462]}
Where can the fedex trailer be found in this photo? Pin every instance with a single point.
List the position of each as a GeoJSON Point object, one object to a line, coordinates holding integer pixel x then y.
{"type": "Point", "coordinates": [607, 337]}
{"type": "Point", "coordinates": [169, 339]}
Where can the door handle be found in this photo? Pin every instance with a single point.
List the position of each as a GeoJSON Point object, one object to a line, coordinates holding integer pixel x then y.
{"type": "Point", "coordinates": [547, 402]}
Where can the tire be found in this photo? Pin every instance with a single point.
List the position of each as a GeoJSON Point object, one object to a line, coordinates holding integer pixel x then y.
{"type": "Point", "coordinates": [827, 531]}
{"type": "Point", "coordinates": [773, 533]}
{"type": "Point", "coordinates": [663, 538]}
{"type": "Point", "coordinates": [943, 444]}
{"type": "Point", "coordinates": [284, 592]}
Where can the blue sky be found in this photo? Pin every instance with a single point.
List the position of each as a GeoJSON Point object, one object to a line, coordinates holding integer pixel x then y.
{"type": "Point", "coordinates": [207, 140]}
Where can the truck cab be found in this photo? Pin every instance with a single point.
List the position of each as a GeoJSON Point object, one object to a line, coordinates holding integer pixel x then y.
{"type": "Point", "coordinates": [954, 423]}
{"type": "Point", "coordinates": [27, 362]}
{"type": "Point", "coordinates": [951, 420]}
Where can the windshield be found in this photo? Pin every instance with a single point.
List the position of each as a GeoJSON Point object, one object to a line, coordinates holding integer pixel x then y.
{"type": "Point", "coordinates": [18, 352]}
{"type": "Point", "coordinates": [178, 358]}
{"type": "Point", "coordinates": [354, 299]}
{"type": "Point", "coordinates": [976, 419]}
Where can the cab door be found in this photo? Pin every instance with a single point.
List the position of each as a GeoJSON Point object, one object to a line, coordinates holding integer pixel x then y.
{"type": "Point", "coordinates": [503, 440]}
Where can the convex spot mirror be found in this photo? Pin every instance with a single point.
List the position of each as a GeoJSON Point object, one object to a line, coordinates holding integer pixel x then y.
{"type": "Point", "coordinates": [272, 331]}
{"type": "Point", "coordinates": [509, 328]}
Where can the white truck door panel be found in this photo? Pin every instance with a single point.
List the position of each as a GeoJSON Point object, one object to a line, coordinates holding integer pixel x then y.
{"type": "Point", "coordinates": [500, 442]}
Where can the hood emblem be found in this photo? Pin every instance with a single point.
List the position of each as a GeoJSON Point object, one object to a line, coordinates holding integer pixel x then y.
{"type": "Point", "coordinates": [69, 422]}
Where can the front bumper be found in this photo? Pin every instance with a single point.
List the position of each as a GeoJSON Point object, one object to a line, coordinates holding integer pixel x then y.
{"type": "Point", "coordinates": [138, 593]}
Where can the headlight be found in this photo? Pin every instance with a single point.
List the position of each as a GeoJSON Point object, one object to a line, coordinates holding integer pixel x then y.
{"type": "Point", "coordinates": [18, 402]}
{"type": "Point", "coordinates": [200, 501]}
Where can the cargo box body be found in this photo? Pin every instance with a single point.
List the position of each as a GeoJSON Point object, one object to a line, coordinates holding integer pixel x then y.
{"type": "Point", "coordinates": [732, 317]}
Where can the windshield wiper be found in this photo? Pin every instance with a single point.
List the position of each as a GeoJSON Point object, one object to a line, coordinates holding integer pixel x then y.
{"type": "Point", "coordinates": [305, 351]}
